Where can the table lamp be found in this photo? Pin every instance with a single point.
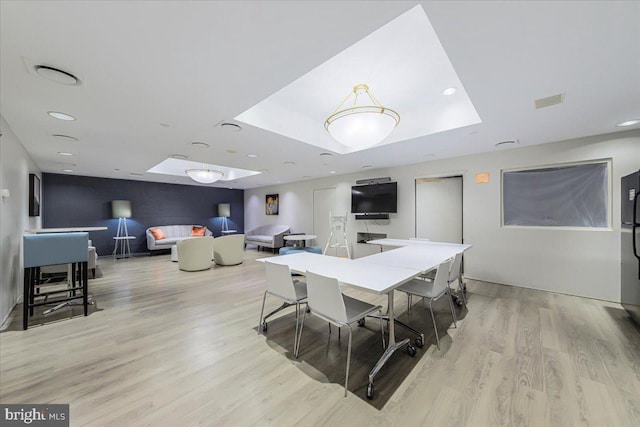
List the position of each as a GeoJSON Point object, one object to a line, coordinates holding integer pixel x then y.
{"type": "Point", "coordinates": [224, 211]}
{"type": "Point", "coordinates": [121, 209]}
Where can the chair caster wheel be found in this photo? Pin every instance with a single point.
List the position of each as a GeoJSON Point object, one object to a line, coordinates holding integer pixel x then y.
{"type": "Point", "coordinates": [361, 322]}
{"type": "Point", "coordinates": [411, 350]}
{"type": "Point", "coordinates": [419, 343]}
{"type": "Point", "coordinates": [308, 310]}
{"type": "Point", "coordinates": [460, 303]}
{"type": "Point", "coordinates": [264, 326]}
{"type": "Point", "coordinates": [464, 287]}
{"type": "Point", "coordinates": [370, 391]}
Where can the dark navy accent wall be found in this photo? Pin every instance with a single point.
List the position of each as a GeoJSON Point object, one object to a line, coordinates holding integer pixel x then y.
{"type": "Point", "coordinates": [83, 201]}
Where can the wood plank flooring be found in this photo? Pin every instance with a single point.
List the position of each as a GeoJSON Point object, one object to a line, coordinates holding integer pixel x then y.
{"type": "Point", "coordinates": [171, 348]}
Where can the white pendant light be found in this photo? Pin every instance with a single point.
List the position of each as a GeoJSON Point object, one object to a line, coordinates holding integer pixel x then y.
{"type": "Point", "coordinates": [204, 176]}
{"type": "Point", "coordinates": [364, 122]}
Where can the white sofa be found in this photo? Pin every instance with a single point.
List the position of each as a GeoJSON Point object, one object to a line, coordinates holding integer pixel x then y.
{"type": "Point", "coordinates": [174, 234]}
{"type": "Point", "coordinates": [267, 236]}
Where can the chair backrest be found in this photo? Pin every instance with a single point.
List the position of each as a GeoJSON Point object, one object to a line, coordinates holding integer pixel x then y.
{"type": "Point", "coordinates": [325, 297]}
{"type": "Point", "coordinates": [454, 273]}
{"type": "Point", "coordinates": [54, 248]}
{"type": "Point", "coordinates": [228, 250]}
{"type": "Point", "coordinates": [279, 280]}
{"type": "Point", "coordinates": [195, 253]}
{"type": "Point", "coordinates": [440, 283]}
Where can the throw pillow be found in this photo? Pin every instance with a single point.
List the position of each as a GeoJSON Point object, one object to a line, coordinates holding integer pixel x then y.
{"type": "Point", "coordinates": [198, 231]}
{"type": "Point", "coordinates": [157, 233]}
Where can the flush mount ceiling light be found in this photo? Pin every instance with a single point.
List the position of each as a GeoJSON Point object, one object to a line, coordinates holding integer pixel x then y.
{"type": "Point", "coordinates": [179, 156]}
{"type": "Point", "coordinates": [628, 123]}
{"type": "Point", "coordinates": [65, 153]}
{"type": "Point", "coordinates": [61, 116]}
{"type": "Point", "coordinates": [231, 127]}
{"type": "Point", "coordinates": [449, 91]}
{"type": "Point", "coordinates": [56, 75]}
{"type": "Point", "coordinates": [65, 137]}
{"type": "Point", "coordinates": [509, 142]}
{"type": "Point", "coordinates": [200, 144]}
{"type": "Point", "coordinates": [252, 156]}
{"type": "Point", "coordinates": [204, 176]}
{"type": "Point", "coordinates": [360, 120]}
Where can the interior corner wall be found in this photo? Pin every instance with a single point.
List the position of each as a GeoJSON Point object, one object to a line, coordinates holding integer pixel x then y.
{"type": "Point", "coordinates": [576, 262]}
{"type": "Point", "coordinates": [15, 166]}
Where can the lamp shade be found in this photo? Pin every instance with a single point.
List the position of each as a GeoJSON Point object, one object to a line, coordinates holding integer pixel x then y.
{"type": "Point", "coordinates": [121, 208]}
{"type": "Point", "coordinates": [224, 210]}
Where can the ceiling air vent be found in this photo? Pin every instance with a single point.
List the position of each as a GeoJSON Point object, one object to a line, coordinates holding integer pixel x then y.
{"type": "Point", "coordinates": [549, 101]}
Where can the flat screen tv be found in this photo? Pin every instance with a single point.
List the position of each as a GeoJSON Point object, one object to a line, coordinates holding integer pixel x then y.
{"type": "Point", "coordinates": [375, 198]}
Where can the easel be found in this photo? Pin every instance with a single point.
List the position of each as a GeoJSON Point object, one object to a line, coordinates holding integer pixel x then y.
{"type": "Point", "coordinates": [337, 224]}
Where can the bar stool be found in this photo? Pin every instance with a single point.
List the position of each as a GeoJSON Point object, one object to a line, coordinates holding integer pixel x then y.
{"type": "Point", "coordinates": [50, 249]}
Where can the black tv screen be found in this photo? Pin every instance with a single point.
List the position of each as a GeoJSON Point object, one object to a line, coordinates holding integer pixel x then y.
{"type": "Point", "coordinates": [376, 198]}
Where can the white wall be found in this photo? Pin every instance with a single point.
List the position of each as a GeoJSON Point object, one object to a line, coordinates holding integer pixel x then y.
{"type": "Point", "coordinates": [15, 167]}
{"type": "Point", "coordinates": [577, 262]}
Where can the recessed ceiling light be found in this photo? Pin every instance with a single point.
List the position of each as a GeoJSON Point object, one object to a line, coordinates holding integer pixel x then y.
{"type": "Point", "coordinates": [367, 166]}
{"type": "Point", "coordinates": [200, 144]}
{"type": "Point", "coordinates": [65, 153]}
{"type": "Point", "coordinates": [290, 163]}
{"type": "Point", "coordinates": [179, 156]}
{"type": "Point", "coordinates": [449, 91]}
{"type": "Point", "coordinates": [252, 156]}
{"type": "Point", "coordinates": [231, 127]}
{"type": "Point", "coordinates": [61, 116]}
{"type": "Point", "coordinates": [628, 123]}
{"type": "Point", "coordinates": [164, 125]}
{"type": "Point", "coordinates": [116, 169]}
{"type": "Point", "coordinates": [509, 142]}
{"type": "Point", "coordinates": [67, 170]}
{"type": "Point", "coordinates": [332, 171]}
{"type": "Point", "coordinates": [326, 154]}
{"type": "Point", "coordinates": [56, 75]}
{"type": "Point", "coordinates": [65, 137]}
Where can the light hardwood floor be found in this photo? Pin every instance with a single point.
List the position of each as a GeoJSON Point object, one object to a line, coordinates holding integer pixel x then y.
{"type": "Point", "coordinates": [171, 348]}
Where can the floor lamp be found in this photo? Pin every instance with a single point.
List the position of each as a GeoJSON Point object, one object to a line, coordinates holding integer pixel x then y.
{"type": "Point", "coordinates": [121, 209]}
{"type": "Point", "coordinates": [224, 210]}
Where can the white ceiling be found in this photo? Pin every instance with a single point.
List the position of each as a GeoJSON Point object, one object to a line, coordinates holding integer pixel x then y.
{"type": "Point", "coordinates": [193, 65]}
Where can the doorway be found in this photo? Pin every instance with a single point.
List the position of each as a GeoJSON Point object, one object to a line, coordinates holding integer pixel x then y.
{"type": "Point", "coordinates": [439, 209]}
{"type": "Point", "coordinates": [324, 202]}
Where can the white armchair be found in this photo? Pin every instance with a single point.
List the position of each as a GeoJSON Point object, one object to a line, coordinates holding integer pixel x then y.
{"type": "Point", "coordinates": [228, 250]}
{"type": "Point", "coordinates": [194, 253]}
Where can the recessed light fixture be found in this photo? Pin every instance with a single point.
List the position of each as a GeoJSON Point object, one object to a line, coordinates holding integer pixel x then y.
{"type": "Point", "coordinates": [56, 75]}
{"type": "Point", "coordinates": [164, 125]}
{"type": "Point", "coordinates": [326, 154]}
{"type": "Point", "coordinates": [179, 156]}
{"type": "Point", "coordinates": [67, 170]}
{"type": "Point", "coordinates": [367, 166]}
{"type": "Point", "coordinates": [65, 137]}
{"type": "Point", "coordinates": [290, 163]}
{"type": "Point", "coordinates": [200, 144]}
{"type": "Point", "coordinates": [116, 169]}
{"type": "Point", "coordinates": [509, 142]}
{"type": "Point", "coordinates": [449, 91]}
{"type": "Point", "coordinates": [61, 116]}
{"type": "Point", "coordinates": [231, 127]}
{"type": "Point", "coordinates": [65, 153]}
{"type": "Point", "coordinates": [628, 123]}
{"type": "Point", "coordinates": [332, 171]}
{"type": "Point", "coordinates": [252, 156]}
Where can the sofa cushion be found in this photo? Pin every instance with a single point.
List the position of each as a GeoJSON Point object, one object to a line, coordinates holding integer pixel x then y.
{"type": "Point", "coordinates": [158, 234]}
{"type": "Point", "coordinates": [260, 238]}
{"type": "Point", "coordinates": [169, 241]}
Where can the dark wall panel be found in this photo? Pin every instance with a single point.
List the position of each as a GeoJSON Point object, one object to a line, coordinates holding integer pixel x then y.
{"type": "Point", "coordinates": [83, 201]}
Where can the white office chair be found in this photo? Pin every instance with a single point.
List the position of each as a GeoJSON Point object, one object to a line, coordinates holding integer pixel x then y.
{"type": "Point", "coordinates": [432, 290]}
{"type": "Point", "coordinates": [456, 274]}
{"type": "Point", "coordinates": [281, 285]}
{"type": "Point", "coordinates": [327, 302]}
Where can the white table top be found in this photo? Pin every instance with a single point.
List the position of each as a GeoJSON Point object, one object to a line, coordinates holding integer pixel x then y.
{"type": "Point", "coordinates": [423, 256]}
{"type": "Point", "coordinates": [374, 278]}
{"type": "Point", "coordinates": [64, 230]}
{"type": "Point", "coordinates": [300, 237]}
{"type": "Point", "coordinates": [397, 242]}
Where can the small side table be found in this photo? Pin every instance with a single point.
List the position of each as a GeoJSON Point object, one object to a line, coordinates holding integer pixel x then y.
{"type": "Point", "coordinates": [122, 246]}
{"type": "Point", "coordinates": [300, 237]}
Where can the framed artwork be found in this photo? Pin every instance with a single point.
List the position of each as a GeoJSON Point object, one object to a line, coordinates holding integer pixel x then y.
{"type": "Point", "coordinates": [271, 204]}
{"type": "Point", "coordinates": [34, 195]}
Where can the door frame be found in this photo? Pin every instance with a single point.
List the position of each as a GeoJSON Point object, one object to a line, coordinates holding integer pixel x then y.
{"type": "Point", "coordinates": [437, 176]}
